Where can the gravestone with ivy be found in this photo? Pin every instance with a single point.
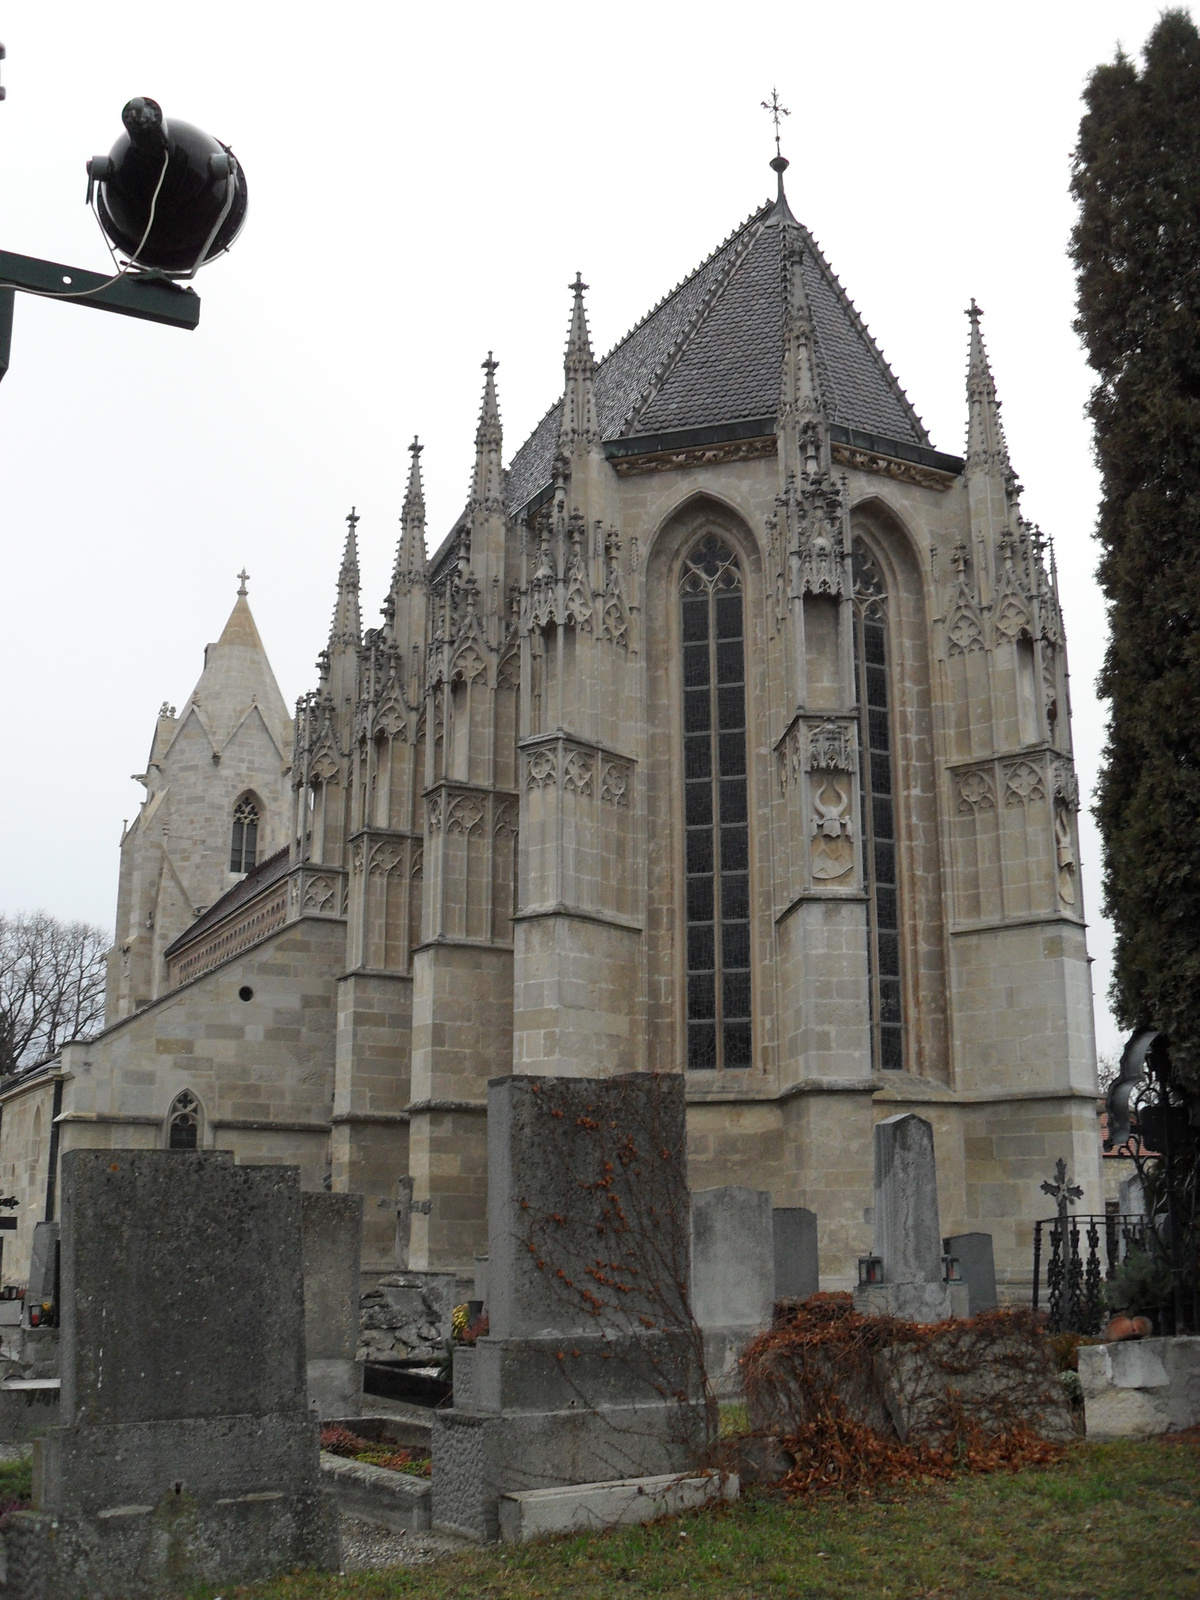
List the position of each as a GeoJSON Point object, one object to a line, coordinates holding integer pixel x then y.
{"type": "Point", "coordinates": [188, 1452]}
{"type": "Point", "coordinates": [592, 1367]}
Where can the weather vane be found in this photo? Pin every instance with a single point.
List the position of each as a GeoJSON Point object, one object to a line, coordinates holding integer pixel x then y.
{"type": "Point", "coordinates": [777, 110]}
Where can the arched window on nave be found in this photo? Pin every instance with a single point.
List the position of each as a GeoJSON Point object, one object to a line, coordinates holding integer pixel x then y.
{"type": "Point", "coordinates": [873, 682]}
{"type": "Point", "coordinates": [183, 1122]}
{"type": "Point", "coordinates": [717, 849]}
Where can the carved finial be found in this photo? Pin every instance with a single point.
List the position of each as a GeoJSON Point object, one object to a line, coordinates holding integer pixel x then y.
{"type": "Point", "coordinates": [243, 579]}
{"type": "Point", "coordinates": [353, 519]}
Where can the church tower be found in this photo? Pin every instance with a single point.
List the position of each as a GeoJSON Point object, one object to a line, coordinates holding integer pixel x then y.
{"type": "Point", "coordinates": [216, 806]}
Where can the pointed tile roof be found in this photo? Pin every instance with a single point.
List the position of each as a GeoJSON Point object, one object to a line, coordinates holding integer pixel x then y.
{"type": "Point", "coordinates": [709, 354]}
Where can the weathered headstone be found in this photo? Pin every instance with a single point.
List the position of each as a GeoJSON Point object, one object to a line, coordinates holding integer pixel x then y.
{"type": "Point", "coordinates": [908, 1236]}
{"type": "Point", "coordinates": [404, 1196]}
{"type": "Point", "coordinates": [591, 1368]}
{"type": "Point", "coordinates": [977, 1266]}
{"type": "Point", "coordinates": [43, 1268]}
{"type": "Point", "coordinates": [797, 1265]}
{"type": "Point", "coordinates": [732, 1276]}
{"type": "Point", "coordinates": [188, 1453]}
{"type": "Point", "coordinates": [332, 1260]}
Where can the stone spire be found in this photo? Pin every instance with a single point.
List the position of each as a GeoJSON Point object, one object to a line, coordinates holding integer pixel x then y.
{"type": "Point", "coordinates": [339, 660]}
{"type": "Point", "coordinates": [347, 623]}
{"type": "Point", "coordinates": [487, 488]}
{"type": "Point", "coordinates": [992, 487]}
{"type": "Point", "coordinates": [801, 422]}
{"type": "Point", "coordinates": [237, 676]}
{"type": "Point", "coordinates": [987, 448]}
{"type": "Point", "coordinates": [410, 552]}
{"type": "Point", "coordinates": [579, 432]}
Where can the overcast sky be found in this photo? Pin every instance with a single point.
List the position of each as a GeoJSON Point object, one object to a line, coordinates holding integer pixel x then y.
{"type": "Point", "coordinates": [424, 181]}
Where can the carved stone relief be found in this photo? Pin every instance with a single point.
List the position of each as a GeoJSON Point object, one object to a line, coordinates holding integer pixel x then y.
{"type": "Point", "coordinates": [579, 772]}
{"type": "Point", "coordinates": [832, 826]}
{"type": "Point", "coordinates": [614, 784]}
{"type": "Point", "coordinates": [542, 769]}
{"type": "Point", "coordinates": [975, 792]}
{"type": "Point", "coordinates": [1023, 782]}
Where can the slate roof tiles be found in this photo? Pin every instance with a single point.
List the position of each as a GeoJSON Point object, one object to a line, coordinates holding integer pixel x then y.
{"type": "Point", "coordinates": [710, 353]}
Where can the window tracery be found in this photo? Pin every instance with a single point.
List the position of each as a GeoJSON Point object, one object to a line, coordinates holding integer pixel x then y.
{"type": "Point", "coordinates": [183, 1122]}
{"type": "Point", "coordinates": [872, 684]}
{"type": "Point", "coordinates": [243, 849]}
{"type": "Point", "coordinates": [717, 850]}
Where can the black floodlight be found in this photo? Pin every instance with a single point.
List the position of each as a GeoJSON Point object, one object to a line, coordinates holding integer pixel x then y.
{"type": "Point", "coordinates": [169, 196]}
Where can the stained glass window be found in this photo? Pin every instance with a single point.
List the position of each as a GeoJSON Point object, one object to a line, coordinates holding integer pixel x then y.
{"type": "Point", "coordinates": [717, 847]}
{"type": "Point", "coordinates": [878, 811]}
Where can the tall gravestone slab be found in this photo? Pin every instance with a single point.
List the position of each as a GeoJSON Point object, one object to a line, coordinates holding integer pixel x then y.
{"type": "Point", "coordinates": [187, 1453]}
{"type": "Point", "coordinates": [332, 1261]}
{"type": "Point", "coordinates": [797, 1263]}
{"type": "Point", "coordinates": [908, 1235]}
{"type": "Point", "coordinates": [592, 1368]}
{"type": "Point", "coordinates": [977, 1264]}
{"type": "Point", "coordinates": [732, 1276]}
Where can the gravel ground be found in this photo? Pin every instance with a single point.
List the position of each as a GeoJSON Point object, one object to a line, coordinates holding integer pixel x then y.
{"type": "Point", "coordinates": [365, 1545]}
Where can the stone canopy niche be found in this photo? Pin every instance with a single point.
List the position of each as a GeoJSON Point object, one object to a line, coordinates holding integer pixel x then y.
{"type": "Point", "coordinates": [188, 1452]}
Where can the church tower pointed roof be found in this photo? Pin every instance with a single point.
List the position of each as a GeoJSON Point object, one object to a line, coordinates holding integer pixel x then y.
{"type": "Point", "coordinates": [487, 485]}
{"type": "Point", "coordinates": [237, 676]}
{"type": "Point", "coordinates": [709, 355]}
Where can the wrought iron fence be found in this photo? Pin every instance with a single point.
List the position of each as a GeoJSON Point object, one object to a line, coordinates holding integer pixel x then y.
{"type": "Point", "coordinates": [1073, 1258]}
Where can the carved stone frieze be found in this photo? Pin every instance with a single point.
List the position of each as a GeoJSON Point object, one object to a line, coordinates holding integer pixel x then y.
{"type": "Point", "coordinates": [705, 455]}
{"type": "Point", "coordinates": [464, 812]}
{"type": "Point", "coordinates": [832, 746]}
{"type": "Point", "coordinates": [846, 455]}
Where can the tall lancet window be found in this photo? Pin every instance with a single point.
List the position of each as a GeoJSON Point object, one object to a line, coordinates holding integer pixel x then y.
{"type": "Point", "coordinates": [872, 675]}
{"type": "Point", "coordinates": [715, 814]}
{"type": "Point", "coordinates": [243, 848]}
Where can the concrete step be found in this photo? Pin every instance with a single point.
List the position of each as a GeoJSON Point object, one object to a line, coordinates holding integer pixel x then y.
{"type": "Point", "coordinates": [535, 1513]}
{"type": "Point", "coordinates": [392, 1500]}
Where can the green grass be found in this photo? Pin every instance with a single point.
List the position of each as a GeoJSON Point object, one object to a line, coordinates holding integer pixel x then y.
{"type": "Point", "coordinates": [1112, 1522]}
{"type": "Point", "coordinates": [16, 1480]}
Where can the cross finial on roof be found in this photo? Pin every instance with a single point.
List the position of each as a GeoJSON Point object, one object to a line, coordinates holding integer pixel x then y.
{"type": "Point", "coordinates": [353, 519]}
{"type": "Point", "coordinates": [489, 366]}
{"type": "Point", "coordinates": [243, 579]}
{"type": "Point", "coordinates": [974, 311]}
{"type": "Point", "coordinates": [415, 447]}
{"type": "Point", "coordinates": [777, 110]}
{"type": "Point", "coordinates": [578, 286]}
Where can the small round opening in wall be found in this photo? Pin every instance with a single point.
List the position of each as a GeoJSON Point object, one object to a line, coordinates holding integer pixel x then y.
{"type": "Point", "coordinates": [245, 992]}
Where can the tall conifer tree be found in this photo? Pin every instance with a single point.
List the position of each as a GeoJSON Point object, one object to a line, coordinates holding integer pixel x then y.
{"type": "Point", "coordinates": [1136, 249]}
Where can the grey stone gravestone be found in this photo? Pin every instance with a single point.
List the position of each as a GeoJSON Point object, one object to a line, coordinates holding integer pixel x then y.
{"type": "Point", "coordinates": [43, 1267]}
{"type": "Point", "coordinates": [591, 1369]}
{"type": "Point", "coordinates": [978, 1267]}
{"type": "Point", "coordinates": [332, 1260]}
{"type": "Point", "coordinates": [404, 1197]}
{"type": "Point", "coordinates": [732, 1277]}
{"type": "Point", "coordinates": [797, 1264]}
{"type": "Point", "coordinates": [908, 1236]}
{"type": "Point", "coordinates": [187, 1453]}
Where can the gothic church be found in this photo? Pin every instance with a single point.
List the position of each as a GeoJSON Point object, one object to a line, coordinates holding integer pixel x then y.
{"type": "Point", "coordinates": [725, 733]}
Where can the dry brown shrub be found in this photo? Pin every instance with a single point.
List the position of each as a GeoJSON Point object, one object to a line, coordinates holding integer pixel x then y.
{"type": "Point", "coordinates": [856, 1402]}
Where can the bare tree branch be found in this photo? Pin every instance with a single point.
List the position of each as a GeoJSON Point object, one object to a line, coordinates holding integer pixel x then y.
{"type": "Point", "coordinates": [51, 986]}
